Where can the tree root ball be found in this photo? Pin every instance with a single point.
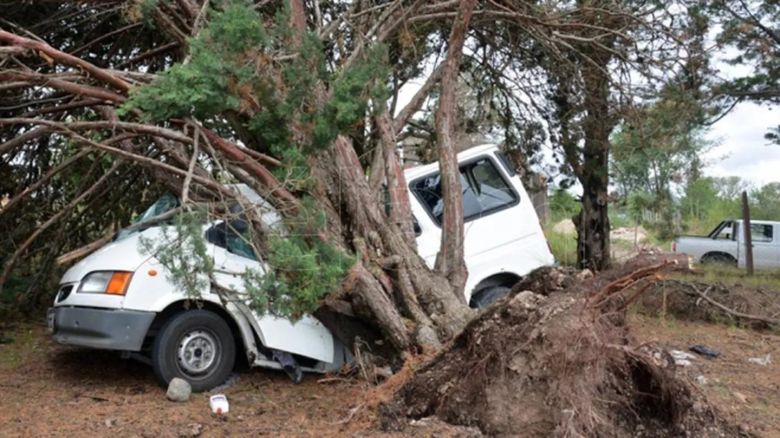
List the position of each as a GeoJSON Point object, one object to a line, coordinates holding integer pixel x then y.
{"type": "Point", "coordinates": [536, 365]}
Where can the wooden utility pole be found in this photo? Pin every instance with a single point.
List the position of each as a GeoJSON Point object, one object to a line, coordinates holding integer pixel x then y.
{"type": "Point", "coordinates": [747, 235]}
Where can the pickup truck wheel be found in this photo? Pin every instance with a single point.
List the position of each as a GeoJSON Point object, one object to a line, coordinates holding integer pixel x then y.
{"type": "Point", "coordinates": [488, 296]}
{"type": "Point", "coordinates": [197, 346]}
{"type": "Point", "coordinates": [718, 259]}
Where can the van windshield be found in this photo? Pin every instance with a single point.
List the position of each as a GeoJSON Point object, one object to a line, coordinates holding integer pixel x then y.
{"type": "Point", "coordinates": [167, 202]}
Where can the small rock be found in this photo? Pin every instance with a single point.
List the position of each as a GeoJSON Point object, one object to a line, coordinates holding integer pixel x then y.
{"type": "Point", "coordinates": [179, 390]}
{"type": "Point", "coordinates": [741, 397]}
{"type": "Point", "coordinates": [701, 380]}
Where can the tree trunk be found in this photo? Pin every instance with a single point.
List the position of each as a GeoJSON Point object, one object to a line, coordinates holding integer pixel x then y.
{"type": "Point", "coordinates": [450, 260]}
{"type": "Point", "coordinates": [593, 221]}
{"type": "Point", "coordinates": [393, 283]}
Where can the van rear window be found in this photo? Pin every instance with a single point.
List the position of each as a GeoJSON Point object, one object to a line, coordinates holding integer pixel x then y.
{"type": "Point", "coordinates": [484, 190]}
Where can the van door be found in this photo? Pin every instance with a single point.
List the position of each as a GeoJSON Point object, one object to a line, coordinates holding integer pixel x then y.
{"type": "Point", "coordinates": [492, 224]}
{"type": "Point", "coordinates": [232, 257]}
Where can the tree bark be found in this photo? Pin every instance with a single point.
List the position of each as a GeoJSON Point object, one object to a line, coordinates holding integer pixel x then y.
{"type": "Point", "coordinates": [396, 270]}
{"type": "Point", "coordinates": [593, 220]}
{"type": "Point", "coordinates": [450, 260]}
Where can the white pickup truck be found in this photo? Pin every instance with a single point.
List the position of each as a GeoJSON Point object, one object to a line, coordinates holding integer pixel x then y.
{"type": "Point", "coordinates": [726, 244]}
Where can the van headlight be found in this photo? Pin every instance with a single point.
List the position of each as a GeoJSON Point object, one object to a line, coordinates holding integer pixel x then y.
{"type": "Point", "coordinates": [106, 282]}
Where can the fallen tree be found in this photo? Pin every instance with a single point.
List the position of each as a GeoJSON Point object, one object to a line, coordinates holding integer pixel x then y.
{"type": "Point", "coordinates": [561, 362]}
{"type": "Point", "coordinates": [298, 100]}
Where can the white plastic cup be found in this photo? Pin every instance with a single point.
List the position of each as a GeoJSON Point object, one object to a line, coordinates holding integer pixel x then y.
{"type": "Point", "coordinates": [219, 404]}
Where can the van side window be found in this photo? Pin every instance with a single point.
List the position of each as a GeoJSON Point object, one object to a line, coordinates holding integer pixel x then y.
{"type": "Point", "coordinates": [508, 166]}
{"type": "Point", "coordinates": [761, 232]}
{"type": "Point", "coordinates": [484, 191]}
{"type": "Point", "coordinates": [231, 238]}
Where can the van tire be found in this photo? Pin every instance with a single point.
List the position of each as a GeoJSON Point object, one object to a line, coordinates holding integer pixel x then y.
{"type": "Point", "coordinates": [488, 296]}
{"type": "Point", "coordinates": [197, 346]}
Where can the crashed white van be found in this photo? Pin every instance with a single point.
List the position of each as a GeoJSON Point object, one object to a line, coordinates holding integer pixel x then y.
{"type": "Point", "coordinates": [121, 298]}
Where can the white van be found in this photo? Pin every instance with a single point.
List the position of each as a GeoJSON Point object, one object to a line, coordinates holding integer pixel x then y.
{"type": "Point", "coordinates": [120, 298]}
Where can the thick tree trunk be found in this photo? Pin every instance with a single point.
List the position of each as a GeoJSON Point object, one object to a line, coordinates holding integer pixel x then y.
{"type": "Point", "coordinates": [450, 260]}
{"type": "Point", "coordinates": [400, 210]}
{"type": "Point", "coordinates": [393, 284]}
{"type": "Point", "coordinates": [593, 229]}
{"type": "Point", "coordinates": [593, 221]}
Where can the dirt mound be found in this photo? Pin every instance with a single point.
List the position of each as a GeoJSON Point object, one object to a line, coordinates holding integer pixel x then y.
{"type": "Point", "coordinates": [560, 365]}
{"type": "Point", "coordinates": [550, 279]}
{"type": "Point", "coordinates": [747, 306]}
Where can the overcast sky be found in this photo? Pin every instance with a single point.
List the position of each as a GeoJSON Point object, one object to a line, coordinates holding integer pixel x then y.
{"type": "Point", "coordinates": [743, 151]}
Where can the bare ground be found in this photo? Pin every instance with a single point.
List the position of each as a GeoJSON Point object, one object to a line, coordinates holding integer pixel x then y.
{"type": "Point", "coordinates": [47, 389]}
{"type": "Point", "coordinates": [51, 390]}
{"type": "Point", "coordinates": [747, 393]}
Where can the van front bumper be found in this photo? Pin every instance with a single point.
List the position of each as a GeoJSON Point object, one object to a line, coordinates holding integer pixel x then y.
{"type": "Point", "coordinates": [107, 329]}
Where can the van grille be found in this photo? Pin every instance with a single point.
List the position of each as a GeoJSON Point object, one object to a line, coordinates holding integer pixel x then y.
{"type": "Point", "coordinates": [64, 292]}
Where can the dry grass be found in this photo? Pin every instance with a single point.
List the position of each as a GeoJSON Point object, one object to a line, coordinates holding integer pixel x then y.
{"type": "Point", "coordinates": [732, 276]}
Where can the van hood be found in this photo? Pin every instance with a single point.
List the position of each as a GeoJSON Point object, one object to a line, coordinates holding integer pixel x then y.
{"type": "Point", "coordinates": [120, 255]}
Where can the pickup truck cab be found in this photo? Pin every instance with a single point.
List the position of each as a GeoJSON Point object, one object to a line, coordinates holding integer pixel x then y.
{"type": "Point", "coordinates": [120, 297]}
{"type": "Point", "coordinates": [726, 244]}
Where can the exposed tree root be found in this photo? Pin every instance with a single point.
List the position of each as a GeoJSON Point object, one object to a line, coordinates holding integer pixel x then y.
{"type": "Point", "coordinates": [557, 365]}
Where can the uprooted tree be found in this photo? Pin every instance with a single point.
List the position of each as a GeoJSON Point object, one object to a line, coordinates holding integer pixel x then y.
{"type": "Point", "coordinates": [299, 100]}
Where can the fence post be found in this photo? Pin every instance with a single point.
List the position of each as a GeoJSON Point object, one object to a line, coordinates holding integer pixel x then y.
{"type": "Point", "coordinates": [747, 234]}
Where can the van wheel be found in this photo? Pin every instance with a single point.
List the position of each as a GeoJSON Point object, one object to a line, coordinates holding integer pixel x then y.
{"type": "Point", "coordinates": [488, 296]}
{"type": "Point", "coordinates": [197, 346]}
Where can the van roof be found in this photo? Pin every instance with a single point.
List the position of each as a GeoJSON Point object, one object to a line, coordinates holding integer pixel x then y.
{"type": "Point", "coordinates": [417, 171]}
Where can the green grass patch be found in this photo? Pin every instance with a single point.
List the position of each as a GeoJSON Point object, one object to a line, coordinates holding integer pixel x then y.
{"type": "Point", "coordinates": [563, 247]}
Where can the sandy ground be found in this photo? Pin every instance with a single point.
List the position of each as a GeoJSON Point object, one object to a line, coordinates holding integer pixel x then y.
{"type": "Point", "coordinates": [50, 390]}
{"type": "Point", "coordinates": [747, 393]}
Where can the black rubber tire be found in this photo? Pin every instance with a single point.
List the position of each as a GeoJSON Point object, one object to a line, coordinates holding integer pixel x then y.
{"type": "Point", "coordinates": [718, 259]}
{"type": "Point", "coordinates": [488, 296]}
{"type": "Point", "coordinates": [165, 349]}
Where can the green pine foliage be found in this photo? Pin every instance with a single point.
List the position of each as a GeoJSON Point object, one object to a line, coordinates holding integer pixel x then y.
{"type": "Point", "coordinates": [304, 268]}
{"type": "Point", "coordinates": [184, 253]}
{"type": "Point", "coordinates": [208, 84]}
{"type": "Point", "coordinates": [229, 61]}
{"type": "Point", "coordinates": [302, 276]}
